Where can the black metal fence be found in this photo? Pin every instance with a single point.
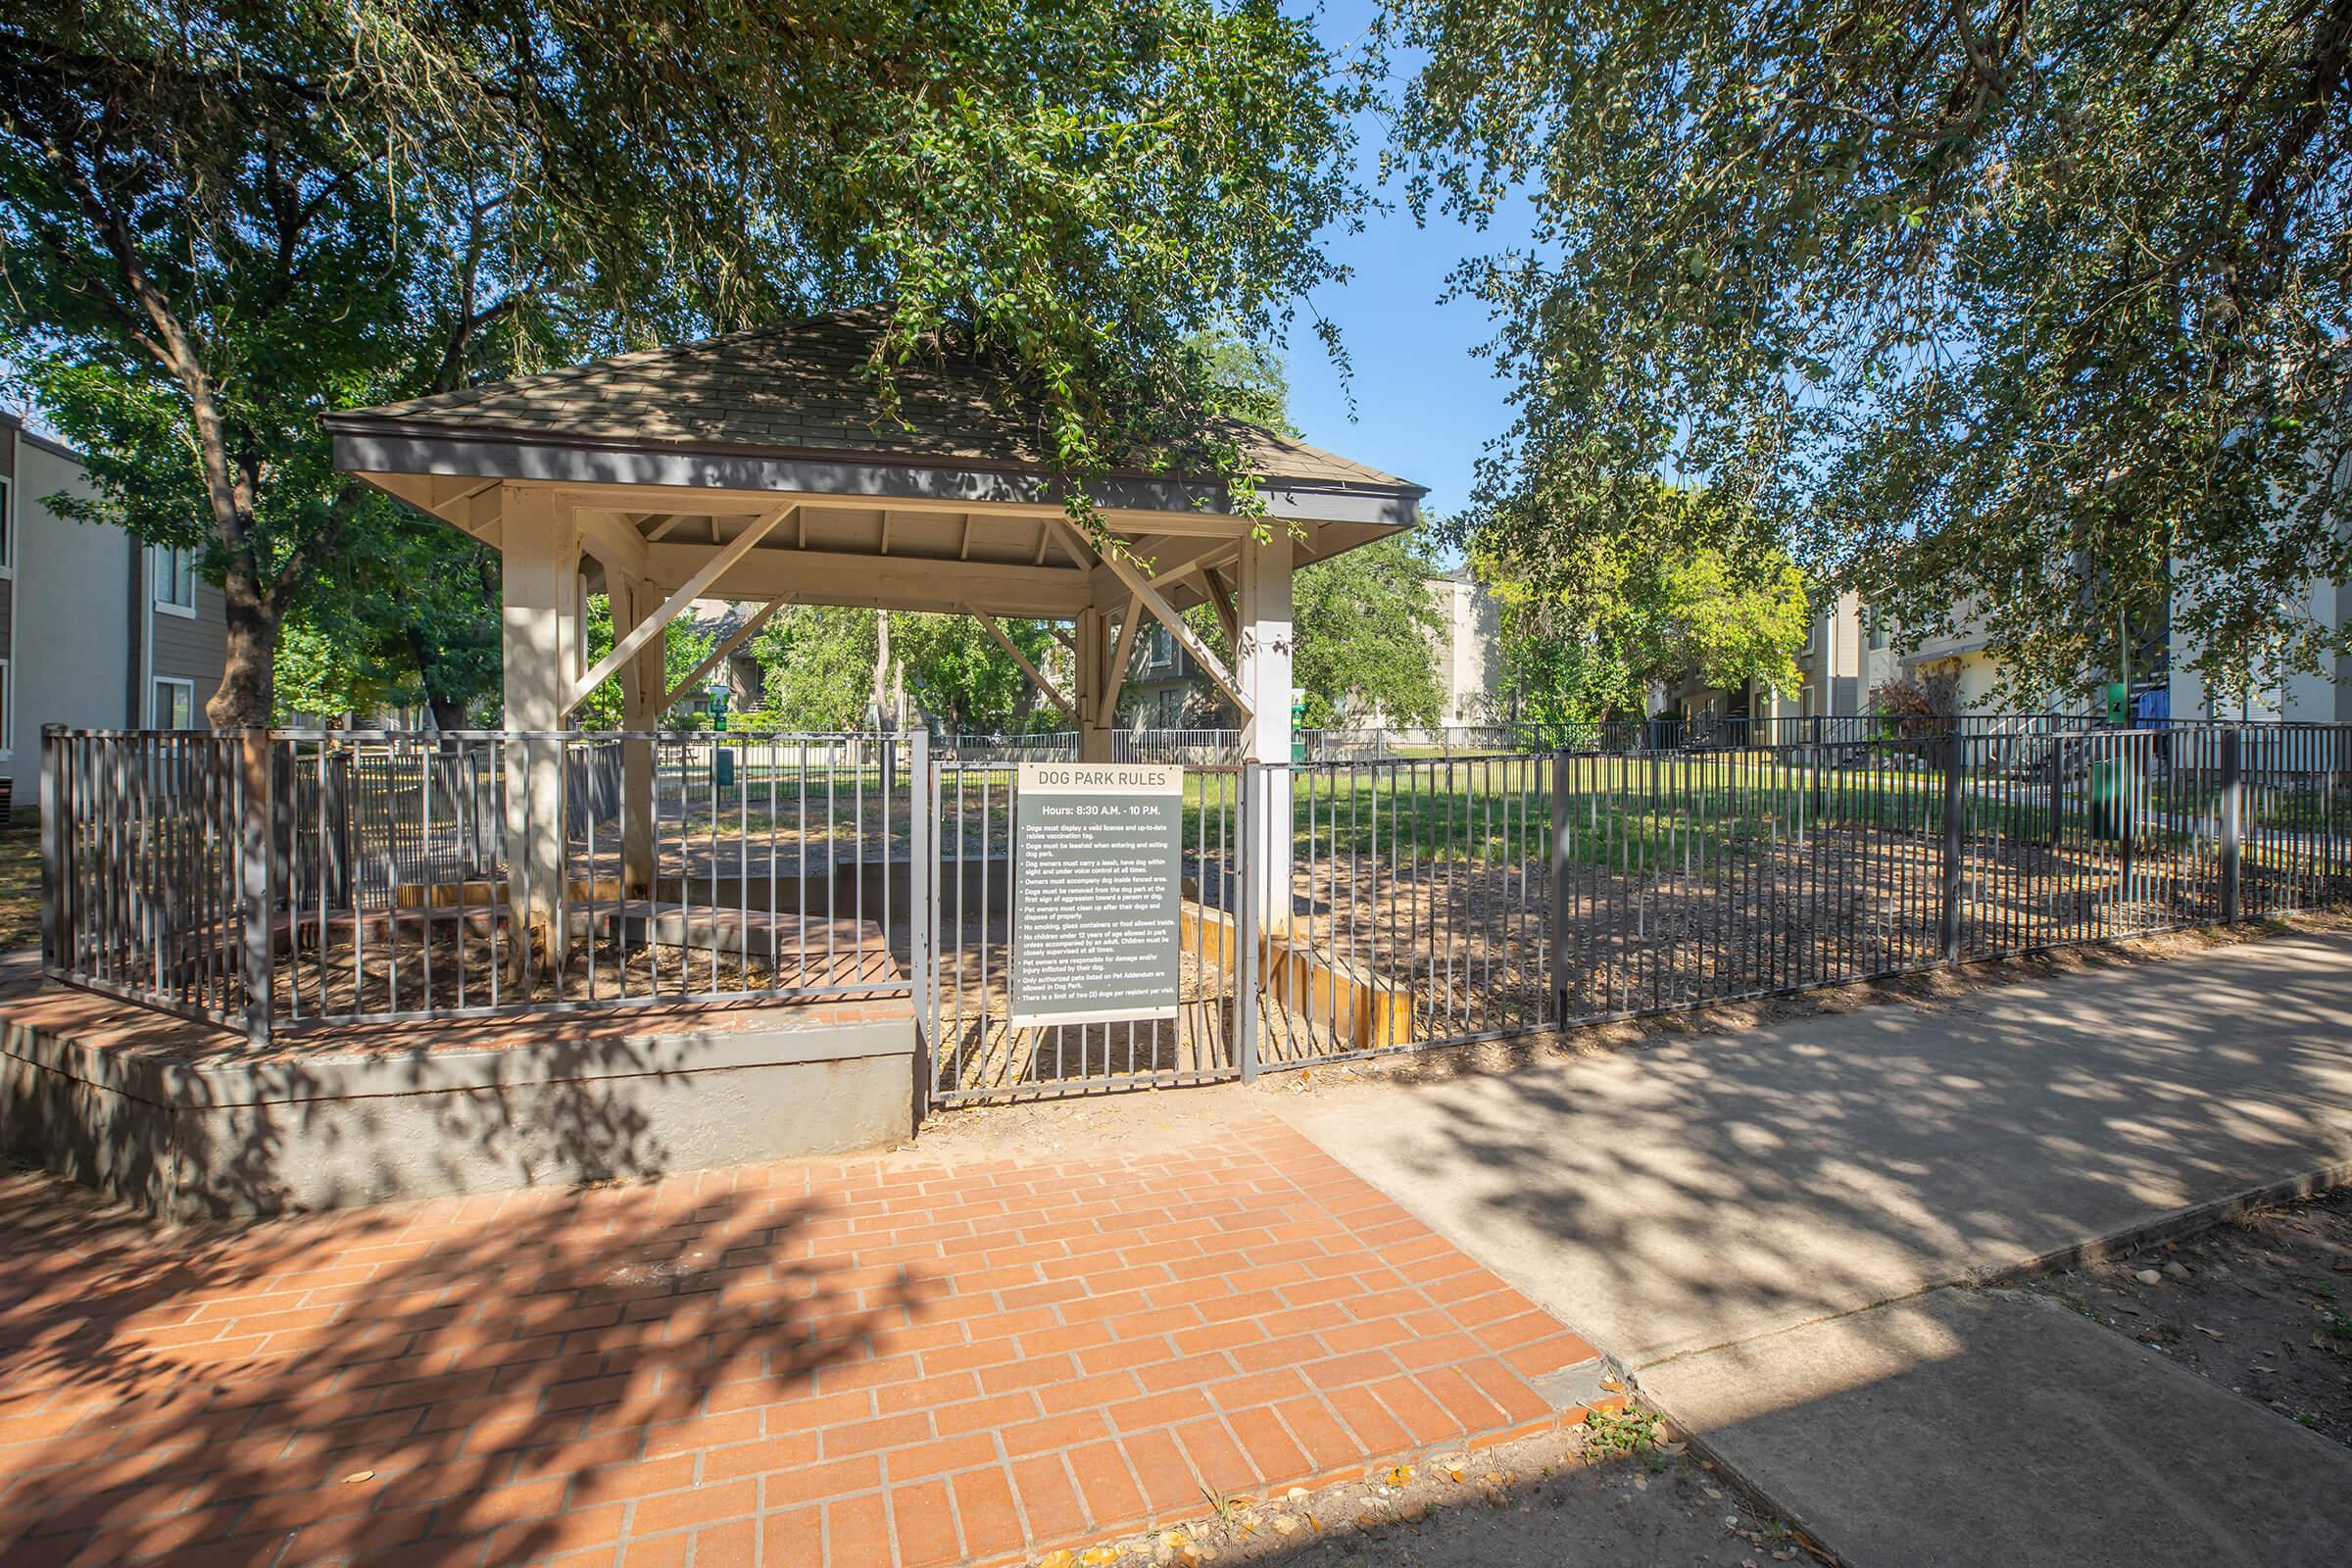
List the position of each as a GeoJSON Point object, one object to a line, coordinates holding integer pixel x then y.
{"type": "Point", "coordinates": [1433, 900]}
{"type": "Point", "coordinates": [1331, 908]}
{"type": "Point", "coordinates": [267, 879]}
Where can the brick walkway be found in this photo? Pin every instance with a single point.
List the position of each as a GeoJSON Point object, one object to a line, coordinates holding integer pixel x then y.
{"type": "Point", "coordinates": [875, 1361]}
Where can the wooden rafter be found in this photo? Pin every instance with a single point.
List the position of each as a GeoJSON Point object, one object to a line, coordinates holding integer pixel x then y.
{"type": "Point", "coordinates": [1140, 587]}
{"type": "Point", "coordinates": [626, 648]}
{"type": "Point", "coordinates": [735, 639]}
{"type": "Point", "coordinates": [987, 623]}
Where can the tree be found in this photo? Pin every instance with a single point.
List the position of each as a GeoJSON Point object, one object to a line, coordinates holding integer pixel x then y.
{"type": "Point", "coordinates": [221, 219]}
{"type": "Point", "coordinates": [683, 646]}
{"type": "Point", "coordinates": [2036, 306]}
{"type": "Point", "coordinates": [816, 665]}
{"type": "Point", "coordinates": [960, 674]}
{"type": "Point", "coordinates": [1697, 586]}
{"type": "Point", "coordinates": [1366, 626]}
{"type": "Point", "coordinates": [411, 618]}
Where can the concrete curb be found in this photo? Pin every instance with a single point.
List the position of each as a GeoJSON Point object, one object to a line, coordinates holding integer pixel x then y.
{"type": "Point", "coordinates": [2172, 1226]}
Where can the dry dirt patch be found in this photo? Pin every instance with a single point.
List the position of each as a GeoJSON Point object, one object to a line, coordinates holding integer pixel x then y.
{"type": "Point", "coordinates": [2262, 1305]}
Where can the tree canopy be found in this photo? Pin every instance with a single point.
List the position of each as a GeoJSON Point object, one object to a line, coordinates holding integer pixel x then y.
{"type": "Point", "coordinates": [221, 219]}
{"type": "Point", "coordinates": [2039, 308]}
{"type": "Point", "coordinates": [1696, 585]}
{"type": "Point", "coordinates": [1365, 625]}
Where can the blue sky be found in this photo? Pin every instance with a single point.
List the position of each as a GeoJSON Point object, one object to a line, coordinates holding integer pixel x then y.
{"type": "Point", "coordinates": [1425, 405]}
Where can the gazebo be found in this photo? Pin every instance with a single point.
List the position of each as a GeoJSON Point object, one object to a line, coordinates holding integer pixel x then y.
{"type": "Point", "coordinates": [764, 467]}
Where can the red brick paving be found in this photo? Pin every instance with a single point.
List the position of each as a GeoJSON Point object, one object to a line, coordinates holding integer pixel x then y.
{"type": "Point", "coordinates": [844, 1363]}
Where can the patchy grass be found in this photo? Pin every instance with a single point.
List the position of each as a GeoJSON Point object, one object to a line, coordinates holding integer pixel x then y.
{"type": "Point", "coordinates": [20, 880]}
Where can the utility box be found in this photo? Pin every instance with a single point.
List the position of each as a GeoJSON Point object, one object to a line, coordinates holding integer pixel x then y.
{"type": "Point", "coordinates": [2111, 789]}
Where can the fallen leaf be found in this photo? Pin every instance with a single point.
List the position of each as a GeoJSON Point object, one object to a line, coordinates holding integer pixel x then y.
{"type": "Point", "coordinates": [1099, 1556]}
{"type": "Point", "coordinates": [358, 1476]}
{"type": "Point", "coordinates": [2211, 1332]}
{"type": "Point", "coordinates": [1399, 1474]}
{"type": "Point", "coordinates": [1063, 1559]}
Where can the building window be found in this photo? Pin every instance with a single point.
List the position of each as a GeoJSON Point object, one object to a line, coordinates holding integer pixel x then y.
{"type": "Point", "coordinates": [8, 707]}
{"type": "Point", "coordinates": [8, 527]}
{"type": "Point", "coordinates": [1807, 708]}
{"type": "Point", "coordinates": [174, 704]}
{"type": "Point", "coordinates": [174, 569]}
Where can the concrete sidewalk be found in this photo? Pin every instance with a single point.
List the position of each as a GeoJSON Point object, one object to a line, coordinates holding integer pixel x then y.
{"type": "Point", "coordinates": [1672, 1202]}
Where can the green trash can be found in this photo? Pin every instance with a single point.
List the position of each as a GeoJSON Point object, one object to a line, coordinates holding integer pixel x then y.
{"type": "Point", "coordinates": [2111, 792]}
{"type": "Point", "coordinates": [722, 767]}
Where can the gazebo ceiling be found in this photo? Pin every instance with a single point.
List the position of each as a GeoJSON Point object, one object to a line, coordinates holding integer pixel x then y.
{"type": "Point", "coordinates": [667, 457]}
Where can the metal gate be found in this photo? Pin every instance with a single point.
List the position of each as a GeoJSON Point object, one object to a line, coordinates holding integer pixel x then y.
{"type": "Point", "coordinates": [964, 954]}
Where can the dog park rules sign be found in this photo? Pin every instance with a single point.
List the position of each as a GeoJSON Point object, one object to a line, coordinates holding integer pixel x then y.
{"type": "Point", "coordinates": [1095, 851]}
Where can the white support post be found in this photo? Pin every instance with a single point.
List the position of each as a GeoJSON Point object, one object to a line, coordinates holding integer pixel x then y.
{"type": "Point", "coordinates": [1092, 661]}
{"type": "Point", "coordinates": [539, 578]}
{"type": "Point", "coordinates": [633, 599]}
{"type": "Point", "coordinates": [1264, 670]}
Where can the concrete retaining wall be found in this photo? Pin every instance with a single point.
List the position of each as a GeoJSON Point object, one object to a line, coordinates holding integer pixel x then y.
{"type": "Point", "coordinates": [188, 1138]}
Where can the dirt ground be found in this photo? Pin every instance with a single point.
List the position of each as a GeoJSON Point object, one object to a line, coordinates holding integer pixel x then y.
{"type": "Point", "coordinates": [2262, 1305]}
{"type": "Point", "coordinates": [1177, 1116]}
{"type": "Point", "coordinates": [1611, 1493]}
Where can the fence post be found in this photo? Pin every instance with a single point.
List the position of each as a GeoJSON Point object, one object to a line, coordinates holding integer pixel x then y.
{"type": "Point", "coordinates": [53, 850]}
{"type": "Point", "coordinates": [922, 865]}
{"type": "Point", "coordinates": [2057, 792]}
{"type": "Point", "coordinates": [1558, 936]}
{"type": "Point", "coordinates": [2233, 805]}
{"type": "Point", "coordinates": [254, 845]}
{"type": "Point", "coordinates": [1246, 918]}
{"type": "Point", "coordinates": [1955, 847]}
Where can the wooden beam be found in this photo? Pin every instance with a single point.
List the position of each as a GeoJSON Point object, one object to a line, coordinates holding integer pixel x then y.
{"type": "Point", "coordinates": [1115, 680]}
{"type": "Point", "coordinates": [988, 624]}
{"type": "Point", "coordinates": [1140, 587]}
{"type": "Point", "coordinates": [610, 540]}
{"type": "Point", "coordinates": [898, 582]}
{"type": "Point", "coordinates": [736, 639]}
{"type": "Point", "coordinates": [626, 647]}
{"type": "Point", "coordinates": [444, 504]}
{"type": "Point", "coordinates": [663, 524]}
{"type": "Point", "coordinates": [1220, 600]}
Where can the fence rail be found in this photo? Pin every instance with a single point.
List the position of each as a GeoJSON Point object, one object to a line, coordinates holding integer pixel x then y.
{"type": "Point", "coordinates": [1435, 898]}
{"type": "Point", "coordinates": [264, 880]}
{"type": "Point", "coordinates": [1333, 906]}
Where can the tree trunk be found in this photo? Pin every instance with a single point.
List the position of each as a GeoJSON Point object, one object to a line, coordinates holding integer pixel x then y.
{"type": "Point", "coordinates": [248, 692]}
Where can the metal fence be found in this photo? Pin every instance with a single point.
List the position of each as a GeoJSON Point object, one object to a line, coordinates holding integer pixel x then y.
{"type": "Point", "coordinates": [268, 879]}
{"type": "Point", "coordinates": [1331, 908]}
{"type": "Point", "coordinates": [1438, 900]}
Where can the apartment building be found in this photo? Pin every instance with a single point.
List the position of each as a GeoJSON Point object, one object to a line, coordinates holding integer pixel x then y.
{"type": "Point", "coordinates": [96, 629]}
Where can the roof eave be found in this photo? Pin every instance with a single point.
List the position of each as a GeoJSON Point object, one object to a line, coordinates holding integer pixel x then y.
{"type": "Point", "coordinates": [366, 444]}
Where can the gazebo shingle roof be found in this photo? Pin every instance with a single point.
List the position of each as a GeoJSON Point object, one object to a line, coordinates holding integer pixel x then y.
{"type": "Point", "coordinates": [797, 389]}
